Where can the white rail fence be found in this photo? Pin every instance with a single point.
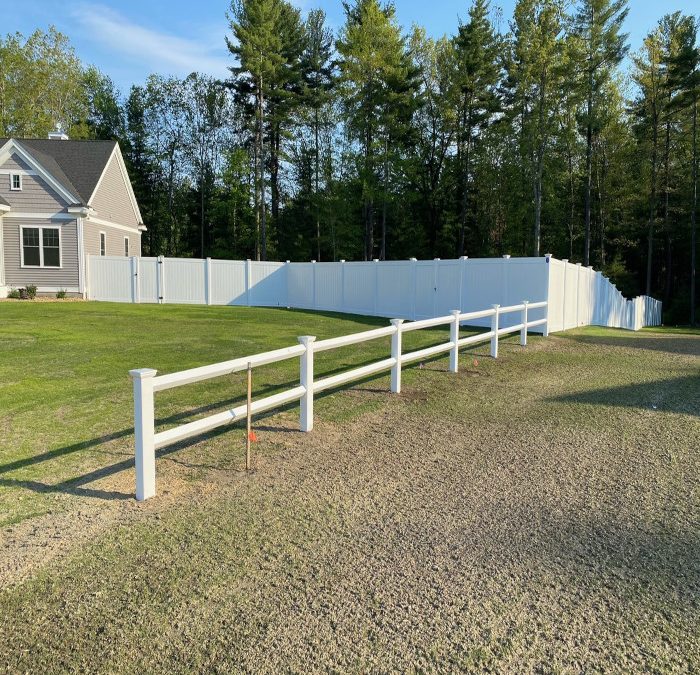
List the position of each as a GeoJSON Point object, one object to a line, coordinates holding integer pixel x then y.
{"type": "Point", "coordinates": [409, 289]}
{"type": "Point", "coordinates": [147, 382]}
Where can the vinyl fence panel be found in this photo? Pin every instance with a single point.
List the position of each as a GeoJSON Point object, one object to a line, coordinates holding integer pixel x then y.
{"type": "Point", "coordinates": [404, 289]}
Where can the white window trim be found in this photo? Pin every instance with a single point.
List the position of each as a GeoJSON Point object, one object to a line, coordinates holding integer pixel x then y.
{"type": "Point", "coordinates": [12, 182]}
{"type": "Point", "coordinates": [41, 229]}
{"type": "Point", "coordinates": [103, 234]}
{"type": "Point", "coordinates": [127, 247]}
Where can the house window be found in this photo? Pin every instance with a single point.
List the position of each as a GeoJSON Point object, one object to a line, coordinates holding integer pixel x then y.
{"type": "Point", "coordinates": [15, 181]}
{"type": "Point", "coordinates": [126, 246]}
{"type": "Point", "coordinates": [41, 247]}
{"type": "Point", "coordinates": [103, 243]}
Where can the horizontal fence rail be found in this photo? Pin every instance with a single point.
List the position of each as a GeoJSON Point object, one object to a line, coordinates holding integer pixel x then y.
{"type": "Point", "coordinates": [147, 382]}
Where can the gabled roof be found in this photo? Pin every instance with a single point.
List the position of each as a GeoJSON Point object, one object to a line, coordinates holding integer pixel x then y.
{"type": "Point", "coordinates": [77, 165]}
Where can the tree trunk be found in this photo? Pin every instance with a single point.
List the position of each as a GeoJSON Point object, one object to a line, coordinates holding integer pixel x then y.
{"type": "Point", "coordinates": [263, 215]}
{"type": "Point", "coordinates": [693, 214]}
{"type": "Point", "coordinates": [667, 189]}
{"type": "Point", "coordinates": [316, 195]}
{"type": "Point", "coordinates": [589, 161]}
{"type": "Point", "coordinates": [652, 198]}
{"type": "Point", "coordinates": [382, 252]}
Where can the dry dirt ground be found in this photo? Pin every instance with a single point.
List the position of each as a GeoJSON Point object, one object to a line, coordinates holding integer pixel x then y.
{"type": "Point", "coordinates": [535, 514]}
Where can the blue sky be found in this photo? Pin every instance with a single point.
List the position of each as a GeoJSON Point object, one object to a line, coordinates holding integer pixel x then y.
{"type": "Point", "coordinates": [128, 39]}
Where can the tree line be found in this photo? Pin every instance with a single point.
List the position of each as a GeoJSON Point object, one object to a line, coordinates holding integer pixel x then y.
{"type": "Point", "coordinates": [376, 142]}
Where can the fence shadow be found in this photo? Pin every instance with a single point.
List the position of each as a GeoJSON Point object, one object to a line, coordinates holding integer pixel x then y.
{"type": "Point", "coordinates": [678, 395]}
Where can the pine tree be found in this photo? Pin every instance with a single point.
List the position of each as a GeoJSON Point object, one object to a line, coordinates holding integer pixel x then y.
{"type": "Point", "coordinates": [598, 23]}
{"type": "Point", "coordinates": [375, 70]}
{"type": "Point", "coordinates": [535, 75]}
{"type": "Point", "coordinates": [478, 74]}
{"type": "Point", "coordinates": [257, 44]}
{"type": "Point", "coordinates": [318, 81]}
{"type": "Point", "coordinates": [685, 74]}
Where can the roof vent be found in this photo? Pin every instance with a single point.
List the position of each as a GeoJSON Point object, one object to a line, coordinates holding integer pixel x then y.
{"type": "Point", "coordinates": [58, 134]}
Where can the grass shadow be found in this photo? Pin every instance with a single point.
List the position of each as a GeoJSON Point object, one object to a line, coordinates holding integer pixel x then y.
{"type": "Point", "coordinates": [678, 395]}
{"type": "Point", "coordinates": [670, 344]}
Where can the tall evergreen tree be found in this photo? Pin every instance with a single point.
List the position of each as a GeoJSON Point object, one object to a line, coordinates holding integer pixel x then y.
{"type": "Point", "coordinates": [598, 23]}
{"type": "Point", "coordinates": [478, 75]}
{"type": "Point", "coordinates": [257, 44]}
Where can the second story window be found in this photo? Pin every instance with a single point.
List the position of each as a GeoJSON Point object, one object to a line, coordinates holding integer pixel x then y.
{"type": "Point", "coordinates": [15, 181]}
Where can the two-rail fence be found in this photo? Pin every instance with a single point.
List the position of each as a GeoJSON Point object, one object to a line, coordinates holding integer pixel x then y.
{"type": "Point", "coordinates": [147, 382]}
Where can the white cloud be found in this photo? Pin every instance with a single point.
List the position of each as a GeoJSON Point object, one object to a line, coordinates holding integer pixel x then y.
{"type": "Point", "coordinates": [153, 50]}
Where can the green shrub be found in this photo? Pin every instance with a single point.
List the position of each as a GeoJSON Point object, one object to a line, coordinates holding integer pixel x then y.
{"type": "Point", "coordinates": [31, 291]}
{"type": "Point", "coordinates": [14, 294]}
{"type": "Point", "coordinates": [61, 294]}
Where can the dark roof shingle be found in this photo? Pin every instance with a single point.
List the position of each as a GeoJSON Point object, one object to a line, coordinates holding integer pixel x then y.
{"type": "Point", "coordinates": [77, 165]}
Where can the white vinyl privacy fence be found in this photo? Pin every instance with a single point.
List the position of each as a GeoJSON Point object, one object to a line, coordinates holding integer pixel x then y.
{"type": "Point", "coordinates": [501, 320]}
{"type": "Point", "coordinates": [408, 289]}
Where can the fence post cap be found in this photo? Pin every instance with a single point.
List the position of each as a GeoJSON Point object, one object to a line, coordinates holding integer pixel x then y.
{"type": "Point", "coordinates": [413, 259]}
{"type": "Point", "coordinates": [313, 261]}
{"type": "Point", "coordinates": [506, 256]}
{"type": "Point", "coordinates": [495, 306]}
{"type": "Point", "coordinates": [464, 257]}
{"type": "Point", "coordinates": [306, 339]}
{"type": "Point", "coordinates": [525, 302]}
{"type": "Point", "coordinates": [565, 260]}
{"type": "Point", "coordinates": [287, 261]}
{"type": "Point", "coordinates": [436, 259]}
{"type": "Point", "coordinates": [375, 259]}
{"type": "Point", "coordinates": [343, 260]}
{"type": "Point", "coordinates": [142, 373]}
{"type": "Point", "coordinates": [396, 322]}
{"type": "Point", "coordinates": [578, 264]}
{"type": "Point", "coordinates": [456, 312]}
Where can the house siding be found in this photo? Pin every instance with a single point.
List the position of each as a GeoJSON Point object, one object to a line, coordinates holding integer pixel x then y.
{"type": "Point", "coordinates": [115, 239]}
{"type": "Point", "coordinates": [16, 275]}
{"type": "Point", "coordinates": [111, 200]}
{"type": "Point", "coordinates": [36, 195]}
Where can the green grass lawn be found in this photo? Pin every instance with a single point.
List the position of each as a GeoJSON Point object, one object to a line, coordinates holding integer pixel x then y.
{"type": "Point", "coordinates": [66, 413]}
{"type": "Point", "coordinates": [535, 513]}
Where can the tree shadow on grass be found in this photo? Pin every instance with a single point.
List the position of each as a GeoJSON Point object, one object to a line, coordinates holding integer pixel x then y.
{"type": "Point", "coordinates": [677, 395]}
{"type": "Point", "coordinates": [670, 344]}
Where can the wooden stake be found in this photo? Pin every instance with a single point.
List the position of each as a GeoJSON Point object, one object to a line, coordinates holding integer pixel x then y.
{"type": "Point", "coordinates": [248, 421]}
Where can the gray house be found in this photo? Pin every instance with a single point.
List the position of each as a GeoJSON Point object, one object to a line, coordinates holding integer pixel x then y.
{"type": "Point", "coordinates": [60, 202]}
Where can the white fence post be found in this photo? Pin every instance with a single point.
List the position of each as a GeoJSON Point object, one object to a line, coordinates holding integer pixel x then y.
{"type": "Point", "coordinates": [144, 420]}
{"type": "Point", "coordinates": [161, 279]}
{"type": "Point", "coordinates": [342, 286]}
{"type": "Point", "coordinates": [313, 284]}
{"type": "Point", "coordinates": [396, 354]}
{"type": "Point", "coordinates": [578, 294]}
{"type": "Point", "coordinates": [376, 286]}
{"type": "Point", "coordinates": [414, 280]}
{"type": "Point", "coordinates": [563, 294]}
{"type": "Point", "coordinates": [135, 284]}
{"type": "Point", "coordinates": [306, 372]}
{"type": "Point", "coordinates": [545, 325]}
{"type": "Point", "coordinates": [248, 274]}
{"type": "Point", "coordinates": [207, 281]}
{"type": "Point", "coordinates": [454, 338]}
{"type": "Point", "coordinates": [494, 329]}
{"type": "Point", "coordinates": [523, 320]}
{"type": "Point", "coordinates": [462, 265]}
